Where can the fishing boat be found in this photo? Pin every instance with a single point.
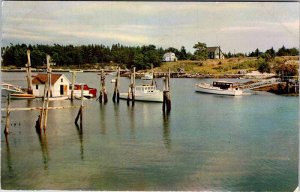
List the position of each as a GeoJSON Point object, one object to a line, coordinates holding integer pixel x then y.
{"type": "Point", "coordinates": [10, 89]}
{"type": "Point", "coordinates": [88, 92]}
{"type": "Point", "coordinates": [220, 88]}
{"type": "Point", "coordinates": [147, 76]}
{"type": "Point", "coordinates": [145, 93]}
{"type": "Point", "coordinates": [21, 96]}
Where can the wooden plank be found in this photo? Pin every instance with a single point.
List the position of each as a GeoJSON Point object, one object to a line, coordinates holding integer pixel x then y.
{"type": "Point", "coordinates": [39, 108]}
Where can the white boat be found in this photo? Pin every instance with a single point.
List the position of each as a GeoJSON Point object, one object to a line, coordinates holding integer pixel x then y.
{"type": "Point", "coordinates": [8, 89]}
{"type": "Point", "coordinates": [219, 87]}
{"type": "Point", "coordinates": [113, 80]}
{"type": "Point", "coordinates": [58, 98]}
{"type": "Point", "coordinates": [145, 93]}
{"type": "Point", "coordinates": [147, 76]}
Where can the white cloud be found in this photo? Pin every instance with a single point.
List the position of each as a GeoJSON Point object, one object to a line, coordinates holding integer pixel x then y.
{"type": "Point", "coordinates": [231, 25]}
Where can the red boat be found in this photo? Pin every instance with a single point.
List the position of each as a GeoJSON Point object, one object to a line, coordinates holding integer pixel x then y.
{"type": "Point", "coordinates": [87, 91]}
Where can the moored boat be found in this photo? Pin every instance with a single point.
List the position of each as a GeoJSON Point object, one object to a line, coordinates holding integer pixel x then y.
{"type": "Point", "coordinates": [220, 88]}
{"type": "Point", "coordinates": [21, 96]}
{"type": "Point", "coordinates": [147, 76]}
{"type": "Point", "coordinates": [145, 93]}
{"type": "Point", "coordinates": [88, 92]}
{"type": "Point", "coordinates": [10, 89]}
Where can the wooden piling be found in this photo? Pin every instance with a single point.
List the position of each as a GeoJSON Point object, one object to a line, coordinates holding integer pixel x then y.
{"type": "Point", "coordinates": [28, 70]}
{"type": "Point", "coordinates": [103, 94]}
{"type": "Point", "coordinates": [7, 123]}
{"type": "Point", "coordinates": [80, 111]}
{"type": "Point", "coordinates": [116, 95]}
{"type": "Point", "coordinates": [48, 98]}
{"type": "Point", "coordinates": [166, 94]}
{"type": "Point", "coordinates": [73, 82]}
{"type": "Point", "coordinates": [118, 85]}
{"type": "Point", "coordinates": [133, 87]}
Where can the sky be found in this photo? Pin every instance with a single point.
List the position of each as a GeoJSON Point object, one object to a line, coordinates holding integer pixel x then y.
{"type": "Point", "coordinates": [235, 26]}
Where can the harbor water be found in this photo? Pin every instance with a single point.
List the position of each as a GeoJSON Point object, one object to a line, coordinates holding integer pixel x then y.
{"type": "Point", "coordinates": [207, 142]}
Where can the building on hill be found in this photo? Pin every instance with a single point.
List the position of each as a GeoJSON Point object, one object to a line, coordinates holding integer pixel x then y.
{"type": "Point", "coordinates": [59, 85]}
{"type": "Point", "coordinates": [169, 56]}
{"type": "Point", "coordinates": [215, 53]}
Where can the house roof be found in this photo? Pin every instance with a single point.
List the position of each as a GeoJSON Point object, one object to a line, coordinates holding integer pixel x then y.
{"type": "Point", "coordinates": [168, 54]}
{"type": "Point", "coordinates": [42, 78]}
{"type": "Point", "coordinates": [211, 49]}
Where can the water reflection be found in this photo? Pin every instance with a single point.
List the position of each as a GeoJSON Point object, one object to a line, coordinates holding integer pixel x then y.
{"type": "Point", "coordinates": [117, 117]}
{"type": "Point", "coordinates": [8, 155]}
{"type": "Point", "coordinates": [103, 120]}
{"type": "Point", "coordinates": [44, 147]}
{"type": "Point", "coordinates": [166, 130]}
{"type": "Point", "coordinates": [80, 135]}
{"type": "Point", "coordinates": [132, 121]}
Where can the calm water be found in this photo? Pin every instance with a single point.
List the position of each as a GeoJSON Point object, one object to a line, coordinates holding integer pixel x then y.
{"type": "Point", "coordinates": [207, 142]}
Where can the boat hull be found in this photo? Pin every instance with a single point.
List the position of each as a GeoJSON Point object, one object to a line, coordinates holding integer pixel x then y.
{"type": "Point", "coordinates": [210, 90]}
{"type": "Point", "coordinates": [18, 96]}
{"type": "Point", "coordinates": [149, 97]}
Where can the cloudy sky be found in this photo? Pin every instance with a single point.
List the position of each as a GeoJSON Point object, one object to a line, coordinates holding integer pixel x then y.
{"type": "Point", "coordinates": [239, 27]}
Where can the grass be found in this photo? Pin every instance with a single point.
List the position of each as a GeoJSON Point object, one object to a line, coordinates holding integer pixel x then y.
{"type": "Point", "coordinates": [219, 66]}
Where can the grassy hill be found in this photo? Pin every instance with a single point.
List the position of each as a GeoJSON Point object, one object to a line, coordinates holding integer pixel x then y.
{"type": "Point", "coordinates": [222, 66]}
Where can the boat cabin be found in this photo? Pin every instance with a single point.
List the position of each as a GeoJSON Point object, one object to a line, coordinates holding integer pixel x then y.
{"type": "Point", "coordinates": [145, 88]}
{"type": "Point", "coordinates": [223, 84]}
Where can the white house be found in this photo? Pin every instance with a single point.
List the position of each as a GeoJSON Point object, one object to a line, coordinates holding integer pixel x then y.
{"type": "Point", "coordinates": [169, 56]}
{"type": "Point", "coordinates": [59, 85]}
{"type": "Point", "coordinates": [214, 53]}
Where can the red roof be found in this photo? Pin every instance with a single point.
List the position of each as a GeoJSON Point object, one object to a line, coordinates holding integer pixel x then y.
{"type": "Point", "coordinates": [42, 78]}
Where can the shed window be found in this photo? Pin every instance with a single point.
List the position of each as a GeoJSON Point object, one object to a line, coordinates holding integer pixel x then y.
{"type": "Point", "coordinates": [36, 86]}
{"type": "Point", "coordinates": [61, 80]}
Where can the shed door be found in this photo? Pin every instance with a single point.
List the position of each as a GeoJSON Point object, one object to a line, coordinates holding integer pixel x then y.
{"type": "Point", "coordinates": [61, 90]}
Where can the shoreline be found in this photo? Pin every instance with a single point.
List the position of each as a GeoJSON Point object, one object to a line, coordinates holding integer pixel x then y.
{"type": "Point", "coordinates": [126, 73]}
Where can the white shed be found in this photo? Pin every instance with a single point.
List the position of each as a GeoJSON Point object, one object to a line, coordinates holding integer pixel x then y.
{"type": "Point", "coordinates": [59, 85]}
{"type": "Point", "coordinates": [169, 56]}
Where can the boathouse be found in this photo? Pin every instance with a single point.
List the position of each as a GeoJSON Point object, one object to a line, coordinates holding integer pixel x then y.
{"type": "Point", "coordinates": [59, 85]}
{"type": "Point", "coordinates": [214, 53]}
{"type": "Point", "coordinates": [169, 56]}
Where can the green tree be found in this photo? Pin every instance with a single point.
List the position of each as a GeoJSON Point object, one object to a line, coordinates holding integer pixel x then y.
{"type": "Point", "coordinates": [182, 54]}
{"type": "Point", "coordinates": [263, 66]}
{"type": "Point", "coordinates": [201, 51]}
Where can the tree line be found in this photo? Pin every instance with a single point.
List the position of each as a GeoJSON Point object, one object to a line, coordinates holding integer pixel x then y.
{"type": "Point", "coordinates": [283, 51]}
{"type": "Point", "coordinates": [142, 57]}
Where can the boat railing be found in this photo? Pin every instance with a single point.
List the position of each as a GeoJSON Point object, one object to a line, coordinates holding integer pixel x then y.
{"type": "Point", "coordinates": [8, 86]}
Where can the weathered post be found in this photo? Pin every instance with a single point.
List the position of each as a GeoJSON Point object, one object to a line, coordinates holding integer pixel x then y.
{"type": "Point", "coordinates": [48, 92]}
{"type": "Point", "coordinates": [50, 72]}
{"type": "Point", "coordinates": [115, 89]}
{"type": "Point", "coordinates": [130, 89]}
{"type": "Point", "coordinates": [42, 112]}
{"type": "Point", "coordinates": [133, 87]}
{"type": "Point", "coordinates": [166, 94]}
{"type": "Point", "coordinates": [102, 88]}
{"type": "Point", "coordinates": [118, 85]}
{"type": "Point", "coordinates": [28, 70]}
{"type": "Point", "coordinates": [7, 123]}
{"type": "Point", "coordinates": [79, 114]}
{"type": "Point", "coordinates": [73, 82]}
